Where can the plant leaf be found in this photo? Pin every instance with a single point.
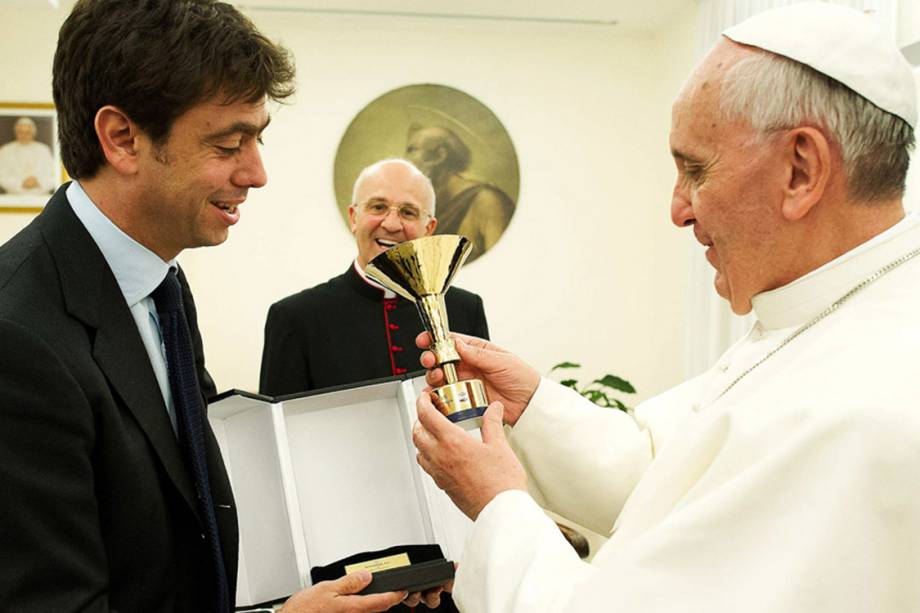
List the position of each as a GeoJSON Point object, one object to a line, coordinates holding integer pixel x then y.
{"type": "Point", "coordinates": [620, 406]}
{"type": "Point", "coordinates": [565, 365]}
{"type": "Point", "coordinates": [616, 383]}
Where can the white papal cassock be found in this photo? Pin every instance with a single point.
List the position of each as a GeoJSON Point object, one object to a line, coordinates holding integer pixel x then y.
{"type": "Point", "coordinates": [19, 161]}
{"type": "Point", "coordinates": [796, 491]}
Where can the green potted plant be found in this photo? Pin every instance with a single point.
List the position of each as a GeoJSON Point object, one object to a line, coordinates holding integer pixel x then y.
{"type": "Point", "coordinates": [600, 391]}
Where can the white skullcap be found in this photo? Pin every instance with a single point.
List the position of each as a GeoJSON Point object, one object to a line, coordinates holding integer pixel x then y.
{"type": "Point", "coordinates": [841, 43]}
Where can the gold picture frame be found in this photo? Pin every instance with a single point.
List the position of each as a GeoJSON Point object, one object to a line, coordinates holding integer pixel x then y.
{"type": "Point", "coordinates": [453, 138]}
{"type": "Point", "coordinates": [16, 161]}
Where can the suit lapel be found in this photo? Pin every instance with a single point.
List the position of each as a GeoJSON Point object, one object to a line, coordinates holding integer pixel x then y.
{"type": "Point", "coordinates": [92, 295]}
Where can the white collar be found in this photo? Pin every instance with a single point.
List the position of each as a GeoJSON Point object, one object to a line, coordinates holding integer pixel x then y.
{"type": "Point", "coordinates": [137, 270]}
{"type": "Point", "coordinates": [387, 293]}
{"type": "Point", "coordinates": [803, 299]}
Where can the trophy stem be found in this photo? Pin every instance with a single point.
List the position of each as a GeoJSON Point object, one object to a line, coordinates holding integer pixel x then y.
{"type": "Point", "coordinates": [421, 270]}
{"type": "Point", "coordinates": [450, 373]}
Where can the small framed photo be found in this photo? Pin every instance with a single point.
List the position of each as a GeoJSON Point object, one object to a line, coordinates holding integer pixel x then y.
{"type": "Point", "coordinates": [30, 156]}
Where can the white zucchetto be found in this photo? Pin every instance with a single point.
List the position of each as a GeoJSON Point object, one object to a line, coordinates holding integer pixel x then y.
{"type": "Point", "coordinates": [841, 43]}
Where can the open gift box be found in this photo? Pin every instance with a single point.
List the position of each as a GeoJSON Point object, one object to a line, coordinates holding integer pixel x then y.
{"type": "Point", "coordinates": [325, 475]}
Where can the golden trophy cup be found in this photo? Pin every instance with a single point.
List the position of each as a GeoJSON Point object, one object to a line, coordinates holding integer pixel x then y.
{"type": "Point", "coordinates": [421, 270]}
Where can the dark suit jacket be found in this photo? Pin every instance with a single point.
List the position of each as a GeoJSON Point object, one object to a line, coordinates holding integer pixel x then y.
{"type": "Point", "coordinates": [98, 510]}
{"type": "Point", "coordinates": [343, 331]}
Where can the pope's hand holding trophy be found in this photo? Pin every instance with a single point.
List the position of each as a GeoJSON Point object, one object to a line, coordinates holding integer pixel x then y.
{"type": "Point", "coordinates": [421, 270]}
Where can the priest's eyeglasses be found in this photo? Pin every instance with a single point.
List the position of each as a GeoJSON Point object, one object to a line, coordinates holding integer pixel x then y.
{"type": "Point", "coordinates": [406, 212]}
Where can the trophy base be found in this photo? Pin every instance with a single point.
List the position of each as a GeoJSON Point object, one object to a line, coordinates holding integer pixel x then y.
{"type": "Point", "coordinates": [463, 402]}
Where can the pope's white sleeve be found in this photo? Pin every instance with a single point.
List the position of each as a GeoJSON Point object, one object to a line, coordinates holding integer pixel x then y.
{"type": "Point", "coordinates": [826, 519]}
{"type": "Point", "coordinates": [529, 568]}
{"type": "Point", "coordinates": [582, 460]}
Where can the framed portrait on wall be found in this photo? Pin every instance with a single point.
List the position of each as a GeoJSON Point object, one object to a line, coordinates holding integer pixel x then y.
{"type": "Point", "coordinates": [452, 137]}
{"type": "Point", "coordinates": [30, 156]}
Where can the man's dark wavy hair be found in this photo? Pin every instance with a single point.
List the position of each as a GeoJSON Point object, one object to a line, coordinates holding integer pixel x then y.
{"type": "Point", "coordinates": [154, 60]}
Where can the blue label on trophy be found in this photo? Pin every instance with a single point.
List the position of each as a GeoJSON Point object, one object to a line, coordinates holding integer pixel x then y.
{"type": "Point", "coordinates": [466, 414]}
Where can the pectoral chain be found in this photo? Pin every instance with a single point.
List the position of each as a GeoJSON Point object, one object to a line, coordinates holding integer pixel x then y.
{"type": "Point", "coordinates": [878, 274]}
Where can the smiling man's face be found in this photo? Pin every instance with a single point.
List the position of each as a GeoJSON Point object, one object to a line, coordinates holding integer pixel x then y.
{"type": "Point", "coordinates": [192, 185]}
{"type": "Point", "coordinates": [393, 185]}
{"type": "Point", "coordinates": [728, 186]}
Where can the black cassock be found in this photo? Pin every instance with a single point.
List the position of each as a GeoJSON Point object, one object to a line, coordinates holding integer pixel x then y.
{"type": "Point", "coordinates": [344, 331]}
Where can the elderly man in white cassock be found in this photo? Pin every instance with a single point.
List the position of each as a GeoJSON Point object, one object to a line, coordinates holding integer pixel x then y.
{"type": "Point", "coordinates": [785, 479]}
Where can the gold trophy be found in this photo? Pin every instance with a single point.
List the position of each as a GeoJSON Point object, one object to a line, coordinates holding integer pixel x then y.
{"type": "Point", "coordinates": [421, 270]}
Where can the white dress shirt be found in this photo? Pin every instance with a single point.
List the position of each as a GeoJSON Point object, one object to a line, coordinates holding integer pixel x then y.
{"type": "Point", "coordinates": [138, 272]}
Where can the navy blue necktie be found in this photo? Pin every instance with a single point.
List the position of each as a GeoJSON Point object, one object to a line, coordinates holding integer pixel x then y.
{"type": "Point", "coordinates": [188, 402]}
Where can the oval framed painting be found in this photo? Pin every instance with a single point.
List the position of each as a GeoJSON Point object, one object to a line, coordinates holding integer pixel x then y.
{"type": "Point", "coordinates": [453, 138]}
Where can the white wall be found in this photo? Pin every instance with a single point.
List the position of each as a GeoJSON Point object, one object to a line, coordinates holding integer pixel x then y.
{"type": "Point", "coordinates": [27, 46]}
{"type": "Point", "coordinates": [908, 22]}
{"type": "Point", "coordinates": [590, 269]}
{"type": "Point", "coordinates": [912, 194]}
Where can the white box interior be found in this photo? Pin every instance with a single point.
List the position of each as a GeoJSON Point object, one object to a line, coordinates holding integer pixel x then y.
{"type": "Point", "coordinates": [245, 432]}
{"type": "Point", "coordinates": [353, 466]}
{"type": "Point", "coordinates": [322, 477]}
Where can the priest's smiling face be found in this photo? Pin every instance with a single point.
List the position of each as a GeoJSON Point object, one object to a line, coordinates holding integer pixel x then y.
{"type": "Point", "coordinates": [393, 204]}
{"type": "Point", "coordinates": [728, 186]}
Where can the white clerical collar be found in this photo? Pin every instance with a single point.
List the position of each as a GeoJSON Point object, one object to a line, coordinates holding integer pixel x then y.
{"type": "Point", "coordinates": [137, 270]}
{"type": "Point", "coordinates": [797, 302]}
{"type": "Point", "coordinates": [387, 294]}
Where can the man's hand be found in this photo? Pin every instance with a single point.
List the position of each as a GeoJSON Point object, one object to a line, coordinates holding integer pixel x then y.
{"type": "Point", "coordinates": [29, 182]}
{"type": "Point", "coordinates": [430, 598]}
{"type": "Point", "coordinates": [339, 596]}
{"type": "Point", "coordinates": [508, 379]}
{"type": "Point", "coordinates": [471, 472]}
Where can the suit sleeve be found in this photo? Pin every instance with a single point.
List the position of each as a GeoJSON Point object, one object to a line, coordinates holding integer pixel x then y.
{"type": "Point", "coordinates": [53, 552]}
{"type": "Point", "coordinates": [285, 369]}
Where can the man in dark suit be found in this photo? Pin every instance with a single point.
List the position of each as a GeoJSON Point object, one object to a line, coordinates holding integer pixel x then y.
{"type": "Point", "coordinates": [161, 105]}
{"type": "Point", "coordinates": [350, 328]}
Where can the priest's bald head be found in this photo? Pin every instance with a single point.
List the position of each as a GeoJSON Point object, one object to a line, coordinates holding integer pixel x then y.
{"type": "Point", "coordinates": [791, 140]}
{"type": "Point", "coordinates": [392, 202]}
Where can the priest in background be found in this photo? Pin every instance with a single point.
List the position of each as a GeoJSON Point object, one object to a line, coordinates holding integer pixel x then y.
{"type": "Point", "coordinates": [350, 328]}
{"type": "Point", "coordinates": [785, 478]}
